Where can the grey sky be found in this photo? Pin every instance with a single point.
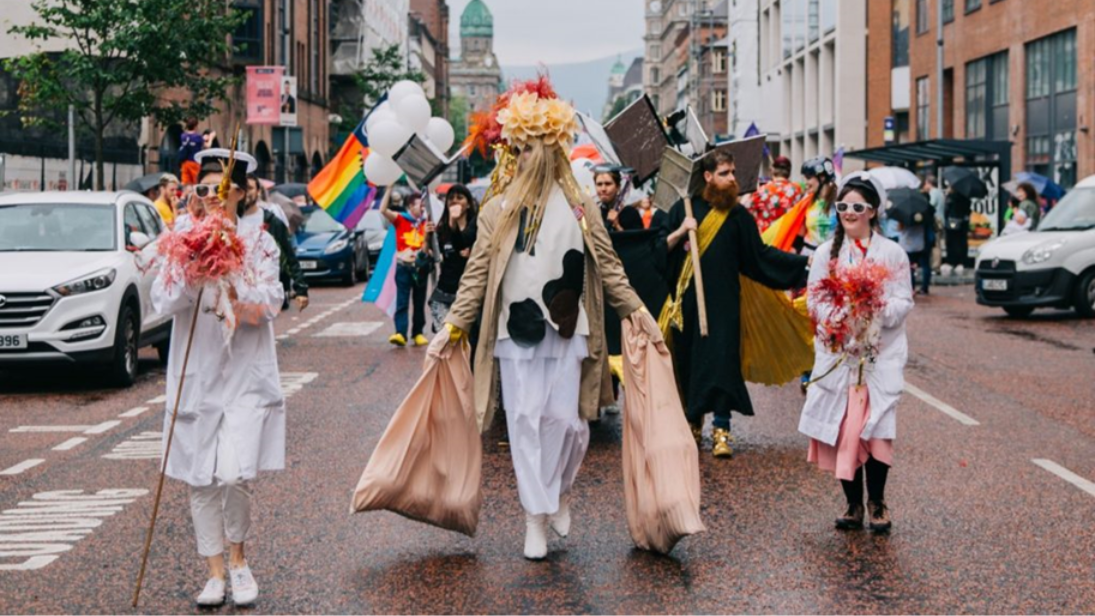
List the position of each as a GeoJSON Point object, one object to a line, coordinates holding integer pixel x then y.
{"type": "Point", "coordinates": [528, 32]}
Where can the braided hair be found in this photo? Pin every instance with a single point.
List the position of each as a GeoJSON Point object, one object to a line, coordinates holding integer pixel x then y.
{"type": "Point", "coordinates": [866, 190]}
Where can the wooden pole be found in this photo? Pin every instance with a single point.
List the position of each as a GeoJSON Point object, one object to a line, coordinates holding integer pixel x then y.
{"type": "Point", "coordinates": [167, 450]}
{"type": "Point", "coordinates": [697, 274]}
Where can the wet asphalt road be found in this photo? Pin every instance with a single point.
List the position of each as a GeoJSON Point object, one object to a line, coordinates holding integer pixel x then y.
{"type": "Point", "coordinates": [991, 493]}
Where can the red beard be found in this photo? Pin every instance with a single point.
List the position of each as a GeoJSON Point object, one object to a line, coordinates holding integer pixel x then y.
{"type": "Point", "coordinates": [721, 199]}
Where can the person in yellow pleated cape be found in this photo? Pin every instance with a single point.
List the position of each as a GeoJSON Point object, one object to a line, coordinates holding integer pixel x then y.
{"type": "Point", "coordinates": [754, 332]}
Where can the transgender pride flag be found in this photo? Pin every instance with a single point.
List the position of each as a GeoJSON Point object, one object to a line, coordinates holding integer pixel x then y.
{"type": "Point", "coordinates": [381, 287]}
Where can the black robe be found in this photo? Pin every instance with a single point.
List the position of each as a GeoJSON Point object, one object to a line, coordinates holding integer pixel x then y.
{"type": "Point", "coordinates": [709, 369]}
{"type": "Point", "coordinates": [643, 253]}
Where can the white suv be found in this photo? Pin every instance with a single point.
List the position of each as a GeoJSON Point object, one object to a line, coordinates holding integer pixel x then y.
{"type": "Point", "coordinates": [76, 271]}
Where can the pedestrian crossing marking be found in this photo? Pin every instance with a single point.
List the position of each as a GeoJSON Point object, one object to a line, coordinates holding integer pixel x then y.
{"type": "Point", "coordinates": [352, 329]}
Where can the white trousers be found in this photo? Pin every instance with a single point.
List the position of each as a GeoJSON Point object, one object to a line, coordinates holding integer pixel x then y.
{"type": "Point", "coordinates": [547, 436]}
{"type": "Point", "coordinates": [223, 508]}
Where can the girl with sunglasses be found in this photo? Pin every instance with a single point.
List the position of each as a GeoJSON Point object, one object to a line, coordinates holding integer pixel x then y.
{"type": "Point", "coordinates": [851, 428]}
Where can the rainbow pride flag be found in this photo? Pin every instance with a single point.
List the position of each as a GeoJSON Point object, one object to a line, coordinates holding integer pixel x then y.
{"type": "Point", "coordinates": [341, 187]}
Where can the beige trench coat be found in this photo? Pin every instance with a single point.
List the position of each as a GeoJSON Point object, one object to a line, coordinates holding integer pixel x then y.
{"type": "Point", "coordinates": [480, 289]}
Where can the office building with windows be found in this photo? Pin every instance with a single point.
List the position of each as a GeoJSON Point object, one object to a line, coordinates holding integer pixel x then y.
{"type": "Point", "coordinates": [813, 60]}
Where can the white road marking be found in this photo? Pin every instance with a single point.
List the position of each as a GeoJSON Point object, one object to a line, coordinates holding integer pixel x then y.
{"type": "Point", "coordinates": [143, 446]}
{"type": "Point", "coordinates": [134, 412]}
{"type": "Point", "coordinates": [96, 429]}
{"type": "Point", "coordinates": [70, 443]}
{"type": "Point", "coordinates": [51, 429]}
{"type": "Point", "coordinates": [22, 466]}
{"type": "Point", "coordinates": [941, 406]}
{"type": "Point", "coordinates": [36, 532]}
{"type": "Point", "coordinates": [157, 400]}
{"type": "Point", "coordinates": [103, 427]}
{"type": "Point", "coordinates": [1066, 474]}
{"type": "Point", "coordinates": [359, 328]}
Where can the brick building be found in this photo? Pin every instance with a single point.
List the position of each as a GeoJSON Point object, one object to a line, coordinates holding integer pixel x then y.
{"type": "Point", "coordinates": [686, 61]}
{"type": "Point", "coordinates": [1014, 70]}
{"type": "Point", "coordinates": [290, 33]}
{"type": "Point", "coordinates": [428, 49]}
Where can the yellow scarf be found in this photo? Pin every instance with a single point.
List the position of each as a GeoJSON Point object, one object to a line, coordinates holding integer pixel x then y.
{"type": "Point", "coordinates": [776, 339]}
{"type": "Point", "coordinates": [672, 314]}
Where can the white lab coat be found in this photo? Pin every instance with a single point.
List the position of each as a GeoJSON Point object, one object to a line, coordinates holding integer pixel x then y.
{"type": "Point", "coordinates": [827, 399]}
{"type": "Point", "coordinates": [235, 382]}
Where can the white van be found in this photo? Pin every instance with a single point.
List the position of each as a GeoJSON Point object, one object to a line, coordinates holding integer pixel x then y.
{"type": "Point", "coordinates": [1052, 267]}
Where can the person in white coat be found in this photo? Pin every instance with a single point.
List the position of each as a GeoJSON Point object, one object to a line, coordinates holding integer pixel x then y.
{"type": "Point", "coordinates": [231, 417]}
{"type": "Point", "coordinates": [852, 428]}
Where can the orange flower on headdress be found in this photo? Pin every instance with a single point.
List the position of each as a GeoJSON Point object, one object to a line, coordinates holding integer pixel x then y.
{"type": "Point", "coordinates": [529, 109]}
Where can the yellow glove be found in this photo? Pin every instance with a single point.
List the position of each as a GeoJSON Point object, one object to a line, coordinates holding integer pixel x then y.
{"type": "Point", "coordinates": [455, 333]}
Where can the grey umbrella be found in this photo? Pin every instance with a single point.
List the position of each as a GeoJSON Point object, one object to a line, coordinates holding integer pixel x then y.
{"type": "Point", "coordinates": [145, 183]}
{"type": "Point", "coordinates": [291, 209]}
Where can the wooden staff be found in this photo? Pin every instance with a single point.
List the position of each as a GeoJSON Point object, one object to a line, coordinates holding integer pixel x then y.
{"type": "Point", "coordinates": [697, 274]}
{"type": "Point", "coordinates": [167, 450]}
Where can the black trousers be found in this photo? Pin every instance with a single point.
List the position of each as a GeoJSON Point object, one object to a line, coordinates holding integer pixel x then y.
{"type": "Point", "coordinates": [958, 245]}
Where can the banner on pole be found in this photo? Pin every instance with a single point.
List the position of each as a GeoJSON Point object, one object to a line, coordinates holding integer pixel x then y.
{"type": "Point", "coordinates": [263, 90]}
{"type": "Point", "coordinates": [288, 100]}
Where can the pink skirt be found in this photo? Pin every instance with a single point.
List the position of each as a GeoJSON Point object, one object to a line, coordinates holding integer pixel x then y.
{"type": "Point", "coordinates": [851, 451]}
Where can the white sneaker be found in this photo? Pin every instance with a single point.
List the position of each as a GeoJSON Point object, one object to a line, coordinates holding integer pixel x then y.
{"type": "Point", "coordinates": [959, 269]}
{"type": "Point", "coordinates": [560, 520]}
{"type": "Point", "coordinates": [612, 409]}
{"type": "Point", "coordinates": [244, 589]}
{"type": "Point", "coordinates": [213, 593]}
{"type": "Point", "coordinates": [946, 270]}
{"type": "Point", "coordinates": [535, 536]}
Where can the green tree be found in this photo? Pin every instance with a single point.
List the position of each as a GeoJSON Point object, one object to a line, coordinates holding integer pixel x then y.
{"type": "Point", "coordinates": [122, 57]}
{"type": "Point", "coordinates": [617, 106]}
{"type": "Point", "coordinates": [458, 116]}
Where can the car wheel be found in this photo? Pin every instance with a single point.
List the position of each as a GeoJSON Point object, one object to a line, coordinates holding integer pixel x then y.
{"type": "Point", "coordinates": [362, 271]}
{"type": "Point", "coordinates": [350, 277]}
{"type": "Point", "coordinates": [163, 351]}
{"type": "Point", "coordinates": [123, 369]}
{"type": "Point", "coordinates": [1085, 295]}
{"type": "Point", "coordinates": [1019, 312]}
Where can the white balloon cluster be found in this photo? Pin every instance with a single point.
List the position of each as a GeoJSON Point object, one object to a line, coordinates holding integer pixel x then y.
{"type": "Point", "coordinates": [391, 125]}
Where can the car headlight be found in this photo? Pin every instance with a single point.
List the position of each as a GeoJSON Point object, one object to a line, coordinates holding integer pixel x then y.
{"type": "Point", "coordinates": [1042, 252]}
{"type": "Point", "coordinates": [93, 282]}
{"type": "Point", "coordinates": [336, 246]}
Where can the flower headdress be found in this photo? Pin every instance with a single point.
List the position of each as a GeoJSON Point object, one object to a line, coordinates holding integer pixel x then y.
{"type": "Point", "coordinates": [528, 110]}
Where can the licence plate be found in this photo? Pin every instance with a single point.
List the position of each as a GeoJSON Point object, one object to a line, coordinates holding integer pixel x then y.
{"type": "Point", "coordinates": [994, 284]}
{"type": "Point", "coordinates": [308, 265]}
{"type": "Point", "coordinates": [13, 341]}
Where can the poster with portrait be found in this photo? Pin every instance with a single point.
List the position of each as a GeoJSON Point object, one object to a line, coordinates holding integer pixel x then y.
{"type": "Point", "coordinates": [263, 83]}
{"type": "Point", "coordinates": [288, 100]}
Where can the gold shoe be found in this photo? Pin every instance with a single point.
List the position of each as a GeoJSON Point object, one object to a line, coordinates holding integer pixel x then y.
{"type": "Point", "coordinates": [421, 340]}
{"type": "Point", "coordinates": [721, 447]}
{"type": "Point", "coordinates": [697, 433]}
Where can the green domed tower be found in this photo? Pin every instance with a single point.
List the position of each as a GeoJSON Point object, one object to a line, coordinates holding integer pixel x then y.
{"type": "Point", "coordinates": [476, 21]}
{"type": "Point", "coordinates": [476, 76]}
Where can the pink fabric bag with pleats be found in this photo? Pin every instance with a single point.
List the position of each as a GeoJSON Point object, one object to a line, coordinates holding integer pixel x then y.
{"type": "Point", "coordinates": [428, 464]}
{"type": "Point", "coordinates": [661, 462]}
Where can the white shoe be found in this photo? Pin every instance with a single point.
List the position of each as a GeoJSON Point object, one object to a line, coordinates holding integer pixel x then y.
{"type": "Point", "coordinates": [560, 520]}
{"type": "Point", "coordinates": [535, 536]}
{"type": "Point", "coordinates": [213, 593]}
{"type": "Point", "coordinates": [946, 270]}
{"type": "Point", "coordinates": [244, 588]}
{"type": "Point", "coordinates": [959, 269]}
{"type": "Point", "coordinates": [612, 409]}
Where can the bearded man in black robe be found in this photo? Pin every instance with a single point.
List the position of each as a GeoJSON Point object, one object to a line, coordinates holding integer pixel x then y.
{"type": "Point", "coordinates": [709, 369]}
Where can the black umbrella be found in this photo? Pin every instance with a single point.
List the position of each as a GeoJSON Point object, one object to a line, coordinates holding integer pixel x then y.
{"type": "Point", "coordinates": [145, 183]}
{"type": "Point", "coordinates": [909, 207]}
{"type": "Point", "coordinates": [965, 182]}
{"type": "Point", "coordinates": [292, 190]}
